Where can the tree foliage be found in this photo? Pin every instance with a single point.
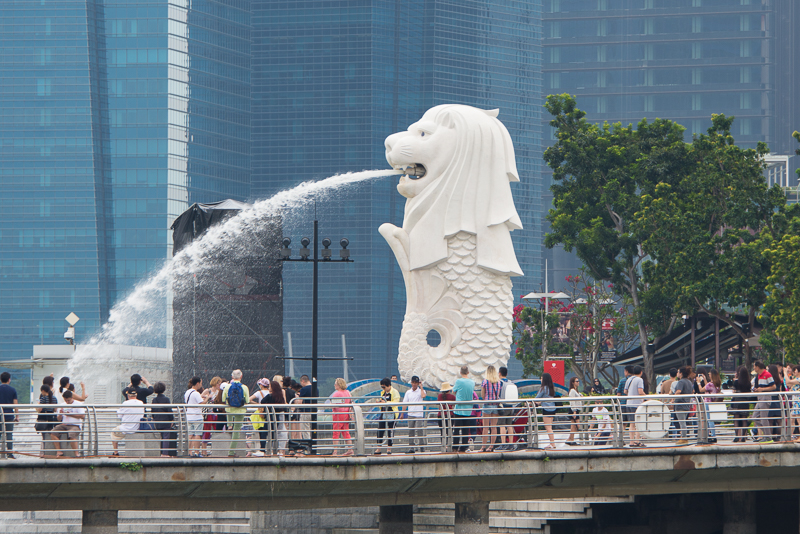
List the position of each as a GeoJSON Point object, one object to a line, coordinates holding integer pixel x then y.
{"type": "Point", "coordinates": [533, 334]}
{"type": "Point", "coordinates": [601, 173]}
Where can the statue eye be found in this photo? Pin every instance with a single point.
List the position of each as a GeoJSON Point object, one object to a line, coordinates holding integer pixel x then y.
{"type": "Point", "coordinates": [422, 134]}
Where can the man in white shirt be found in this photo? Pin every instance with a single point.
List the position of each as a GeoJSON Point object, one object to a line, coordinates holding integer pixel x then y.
{"type": "Point", "coordinates": [131, 415]}
{"type": "Point", "coordinates": [71, 417]}
{"type": "Point", "coordinates": [602, 421]}
{"type": "Point", "coordinates": [416, 415]}
{"type": "Point", "coordinates": [194, 416]}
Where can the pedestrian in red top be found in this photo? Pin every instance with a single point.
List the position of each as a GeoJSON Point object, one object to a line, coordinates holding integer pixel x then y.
{"type": "Point", "coordinates": [341, 419]}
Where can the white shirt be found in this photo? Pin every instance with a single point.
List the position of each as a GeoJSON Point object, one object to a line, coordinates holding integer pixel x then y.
{"type": "Point", "coordinates": [600, 414]}
{"type": "Point", "coordinates": [193, 397]}
{"type": "Point", "coordinates": [575, 405]}
{"type": "Point", "coordinates": [67, 409]}
{"type": "Point", "coordinates": [130, 414]}
{"type": "Point", "coordinates": [414, 396]}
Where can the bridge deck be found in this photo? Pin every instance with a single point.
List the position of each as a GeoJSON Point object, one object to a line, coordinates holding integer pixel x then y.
{"type": "Point", "coordinates": [319, 482]}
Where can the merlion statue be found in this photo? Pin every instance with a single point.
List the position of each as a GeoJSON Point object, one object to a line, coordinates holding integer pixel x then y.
{"type": "Point", "coordinates": [454, 248]}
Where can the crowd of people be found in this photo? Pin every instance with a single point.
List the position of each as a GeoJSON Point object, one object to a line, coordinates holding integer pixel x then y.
{"type": "Point", "coordinates": [273, 418]}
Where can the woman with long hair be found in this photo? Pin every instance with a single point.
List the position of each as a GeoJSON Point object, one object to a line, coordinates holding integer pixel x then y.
{"type": "Point", "coordinates": [574, 409]}
{"type": "Point", "coordinates": [278, 400]}
{"type": "Point", "coordinates": [775, 405]}
{"type": "Point", "coordinates": [741, 405]}
{"type": "Point", "coordinates": [67, 386]}
{"type": "Point", "coordinates": [548, 391]}
{"type": "Point", "coordinates": [490, 391]}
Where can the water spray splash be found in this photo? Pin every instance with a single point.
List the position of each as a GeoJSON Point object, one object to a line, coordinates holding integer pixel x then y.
{"type": "Point", "coordinates": [141, 316]}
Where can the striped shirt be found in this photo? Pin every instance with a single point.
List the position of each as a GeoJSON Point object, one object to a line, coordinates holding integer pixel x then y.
{"type": "Point", "coordinates": [764, 380]}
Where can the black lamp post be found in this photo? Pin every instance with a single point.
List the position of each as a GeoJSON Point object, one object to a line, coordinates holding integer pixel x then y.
{"type": "Point", "coordinates": [344, 257]}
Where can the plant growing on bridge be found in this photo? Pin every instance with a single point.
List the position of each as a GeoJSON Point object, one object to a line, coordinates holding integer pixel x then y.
{"type": "Point", "coordinates": [131, 466]}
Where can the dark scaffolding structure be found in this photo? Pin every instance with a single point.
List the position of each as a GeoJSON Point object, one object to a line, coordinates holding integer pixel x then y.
{"type": "Point", "coordinates": [228, 314]}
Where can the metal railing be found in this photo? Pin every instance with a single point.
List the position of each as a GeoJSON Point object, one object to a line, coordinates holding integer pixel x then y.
{"type": "Point", "coordinates": [367, 427]}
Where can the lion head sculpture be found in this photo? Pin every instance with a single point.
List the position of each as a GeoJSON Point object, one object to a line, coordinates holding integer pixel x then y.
{"type": "Point", "coordinates": [467, 162]}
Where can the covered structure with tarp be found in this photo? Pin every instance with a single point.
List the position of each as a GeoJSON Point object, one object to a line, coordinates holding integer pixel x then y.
{"type": "Point", "coordinates": [228, 312]}
{"type": "Point", "coordinates": [700, 340]}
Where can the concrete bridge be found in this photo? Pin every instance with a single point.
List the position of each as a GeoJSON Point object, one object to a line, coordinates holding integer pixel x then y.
{"type": "Point", "coordinates": [103, 486]}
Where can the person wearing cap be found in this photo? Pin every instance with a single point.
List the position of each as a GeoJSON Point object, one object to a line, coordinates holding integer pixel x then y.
{"type": "Point", "coordinates": [263, 391]}
{"type": "Point", "coordinates": [445, 395]}
{"type": "Point", "coordinates": [415, 413]}
{"type": "Point", "coordinates": [131, 415]}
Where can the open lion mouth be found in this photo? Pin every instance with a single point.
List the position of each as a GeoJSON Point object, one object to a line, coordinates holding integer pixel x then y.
{"type": "Point", "coordinates": [415, 171]}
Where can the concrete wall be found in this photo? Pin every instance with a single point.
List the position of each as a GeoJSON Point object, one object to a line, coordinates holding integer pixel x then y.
{"type": "Point", "coordinates": [313, 521]}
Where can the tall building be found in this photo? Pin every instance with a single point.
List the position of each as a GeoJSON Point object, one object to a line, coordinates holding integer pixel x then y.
{"type": "Point", "coordinates": [115, 115]}
{"type": "Point", "coordinates": [331, 80]}
{"type": "Point", "coordinates": [677, 59]}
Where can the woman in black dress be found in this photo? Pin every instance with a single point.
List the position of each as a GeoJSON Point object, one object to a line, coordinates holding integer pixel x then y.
{"type": "Point", "coordinates": [163, 422]}
{"type": "Point", "coordinates": [741, 405]}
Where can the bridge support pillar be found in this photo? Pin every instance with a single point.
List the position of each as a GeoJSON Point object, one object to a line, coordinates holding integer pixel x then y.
{"type": "Point", "coordinates": [99, 522]}
{"type": "Point", "coordinates": [396, 519]}
{"type": "Point", "coordinates": [739, 511]}
{"type": "Point", "coordinates": [472, 518]}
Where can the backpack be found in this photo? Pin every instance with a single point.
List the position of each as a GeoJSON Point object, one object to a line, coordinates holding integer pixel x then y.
{"type": "Point", "coordinates": [235, 395]}
{"type": "Point", "coordinates": [509, 391]}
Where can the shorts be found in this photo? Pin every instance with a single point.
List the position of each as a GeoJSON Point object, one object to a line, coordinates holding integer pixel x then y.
{"type": "Point", "coordinates": [628, 413]}
{"type": "Point", "coordinates": [509, 415]}
{"type": "Point", "coordinates": [118, 434]}
{"type": "Point", "coordinates": [490, 410]}
{"type": "Point", "coordinates": [195, 428]}
{"type": "Point", "coordinates": [574, 415]}
{"type": "Point", "coordinates": [72, 431]}
{"type": "Point", "coordinates": [549, 412]}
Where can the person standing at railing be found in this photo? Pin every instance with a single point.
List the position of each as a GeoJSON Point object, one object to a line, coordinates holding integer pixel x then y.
{"type": "Point", "coordinates": [741, 405]}
{"type": "Point", "coordinates": [775, 416]}
{"type": "Point", "coordinates": [263, 390]}
{"type": "Point", "coordinates": [764, 382]}
{"type": "Point", "coordinates": [280, 429]}
{"type": "Point", "coordinates": [46, 417]}
{"type": "Point", "coordinates": [791, 377]}
{"type": "Point", "coordinates": [682, 406]}
{"type": "Point", "coordinates": [235, 396]}
{"type": "Point", "coordinates": [130, 415]}
{"type": "Point", "coordinates": [634, 390]}
{"type": "Point", "coordinates": [163, 421]}
{"type": "Point", "coordinates": [446, 397]}
{"type": "Point", "coordinates": [142, 392]}
{"type": "Point", "coordinates": [341, 419]}
{"type": "Point", "coordinates": [71, 417]}
{"type": "Point", "coordinates": [508, 410]}
{"type": "Point", "coordinates": [712, 387]}
{"type": "Point", "coordinates": [463, 390]}
{"type": "Point", "coordinates": [306, 393]}
{"type": "Point", "coordinates": [388, 415]}
{"type": "Point", "coordinates": [194, 415]}
{"type": "Point", "coordinates": [67, 386]}
{"type": "Point", "coordinates": [490, 391]}
{"type": "Point", "coordinates": [415, 414]}
{"type": "Point", "coordinates": [574, 409]}
{"type": "Point", "coordinates": [8, 398]}
{"type": "Point", "coordinates": [602, 422]}
{"type": "Point", "coordinates": [548, 391]}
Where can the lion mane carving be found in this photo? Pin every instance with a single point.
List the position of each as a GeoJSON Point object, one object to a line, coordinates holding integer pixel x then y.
{"type": "Point", "coordinates": [454, 248]}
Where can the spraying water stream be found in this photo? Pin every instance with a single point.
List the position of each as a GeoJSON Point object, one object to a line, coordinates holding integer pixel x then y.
{"type": "Point", "coordinates": [141, 316]}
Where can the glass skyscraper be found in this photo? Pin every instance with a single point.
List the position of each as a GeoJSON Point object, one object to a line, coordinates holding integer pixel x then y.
{"type": "Point", "coordinates": [677, 59]}
{"type": "Point", "coordinates": [115, 115]}
{"type": "Point", "coordinates": [332, 79]}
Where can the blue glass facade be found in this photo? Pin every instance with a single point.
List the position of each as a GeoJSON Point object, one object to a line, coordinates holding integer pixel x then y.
{"type": "Point", "coordinates": [332, 79]}
{"type": "Point", "coordinates": [115, 116]}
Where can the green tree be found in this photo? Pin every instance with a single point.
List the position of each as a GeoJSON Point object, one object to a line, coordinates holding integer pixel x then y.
{"type": "Point", "coordinates": [601, 173]}
{"type": "Point", "coordinates": [706, 233]}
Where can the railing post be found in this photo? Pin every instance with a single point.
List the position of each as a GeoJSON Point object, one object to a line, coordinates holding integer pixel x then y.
{"type": "Point", "coordinates": [183, 431]}
{"type": "Point", "coordinates": [702, 420]}
{"type": "Point", "coordinates": [617, 423]}
{"type": "Point", "coordinates": [94, 446]}
{"type": "Point", "coordinates": [443, 425]}
{"type": "Point", "coordinates": [358, 419]}
{"type": "Point", "coordinates": [534, 424]}
{"type": "Point", "coordinates": [786, 427]}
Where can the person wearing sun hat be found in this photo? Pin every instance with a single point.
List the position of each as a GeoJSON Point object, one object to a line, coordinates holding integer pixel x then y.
{"type": "Point", "coordinates": [263, 391]}
{"type": "Point", "coordinates": [445, 396]}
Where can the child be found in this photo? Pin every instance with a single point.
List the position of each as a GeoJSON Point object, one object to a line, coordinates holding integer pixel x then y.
{"type": "Point", "coordinates": [603, 423]}
{"type": "Point", "coordinates": [257, 420]}
{"type": "Point", "coordinates": [247, 430]}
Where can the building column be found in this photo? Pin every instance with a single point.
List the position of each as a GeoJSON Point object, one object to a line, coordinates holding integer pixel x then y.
{"type": "Point", "coordinates": [99, 522]}
{"type": "Point", "coordinates": [396, 519]}
{"type": "Point", "coordinates": [739, 512]}
{"type": "Point", "coordinates": [472, 518]}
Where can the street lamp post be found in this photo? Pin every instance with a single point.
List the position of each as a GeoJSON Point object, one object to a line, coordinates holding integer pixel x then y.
{"type": "Point", "coordinates": [344, 257]}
